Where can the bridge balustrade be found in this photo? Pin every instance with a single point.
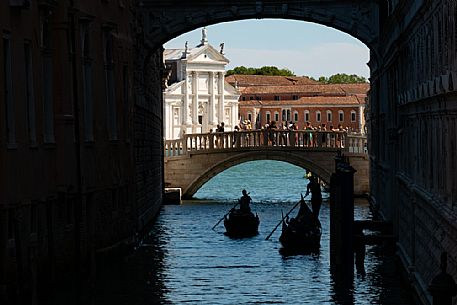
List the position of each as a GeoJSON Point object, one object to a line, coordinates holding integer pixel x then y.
{"type": "Point", "coordinates": [306, 139]}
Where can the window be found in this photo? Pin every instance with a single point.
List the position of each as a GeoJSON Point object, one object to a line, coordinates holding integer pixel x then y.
{"type": "Point", "coordinates": [87, 84]}
{"type": "Point", "coordinates": [110, 90]}
{"type": "Point", "coordinates": [200, 119]}
{"type": "Point", "coordinates": [268, 116]}
{"type": "Point", "coordinates": [353, 116]}
{"type": "Point", "coordinates": [126, 85]}
{"type": "Point", "coordinates": [48, 102]}
{"type": "Point", "coordinates": [276, 116]}
{"type": "Point", "coordinates": [30, 97]}
{"type": "Point", "coordinates": [243, 98]}
{"type": "Point", "coordinates": [176, 118]}
{"type": "Point", "coordinates": [329, 116]}
{"type": "Point", "coordinates": [295, 97]}
{"type": "Point", "coordinates": [11, 222]}
{"type": "Point", "coordinates": [228, 114]}
{"type": "Point", "coordinates": [250, 116]}
{"type": "Point", "coordinates": [33, 217]}
{"type": "Point", "coordinates": [251, 98]}
{"type": "Point", "coordinates": [258, 98]}
{"type": "Point", "coordinates": [277, 98]}
{"type": "Point", "coordinates": [341, 116]}
{"type": "Point", "coordinates": [295, 116]}
{"type": "Point", "coordinates": [318, 116]}
{"type": "Point", "coordinates": [286, 115]}
{"type": "Point", "coordinates": [306, 115]}
{"type": "Point", "coordinates": [8, 83]}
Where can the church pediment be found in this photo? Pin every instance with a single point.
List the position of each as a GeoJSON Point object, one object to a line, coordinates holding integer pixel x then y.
{"type": "Point", "coordinates": [207, 54]}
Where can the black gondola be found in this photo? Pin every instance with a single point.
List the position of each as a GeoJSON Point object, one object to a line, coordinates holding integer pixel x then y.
{"type": "Point", "coordinates": [303, 234]}
{"type": "Point", "coordinates": [241, 224]}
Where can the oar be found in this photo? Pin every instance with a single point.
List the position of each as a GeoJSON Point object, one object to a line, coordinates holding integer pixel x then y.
{"type": "Point", "coordinates": [225, 215]}
{"type": "Point", "coordinates": [269, 235]}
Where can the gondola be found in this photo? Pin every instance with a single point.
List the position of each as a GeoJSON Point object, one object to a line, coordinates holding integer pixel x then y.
{"type": "Point", "coordinates": [303, 235]}
{"type": "Point", "coordinates": [241, 224]}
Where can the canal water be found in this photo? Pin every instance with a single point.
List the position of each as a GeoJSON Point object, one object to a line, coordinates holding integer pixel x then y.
{"type": "Point", "coordinates": [184, 261]}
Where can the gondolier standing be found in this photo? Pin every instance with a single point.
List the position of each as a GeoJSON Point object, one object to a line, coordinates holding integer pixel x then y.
{"type": "Point", "coordinates": [245, 200]}
{"type": "Point", "coordinates": [316, 195]}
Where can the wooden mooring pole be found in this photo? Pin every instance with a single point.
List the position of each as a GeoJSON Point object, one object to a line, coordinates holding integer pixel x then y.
{"type": "Point", "coordinates": [342, 221]}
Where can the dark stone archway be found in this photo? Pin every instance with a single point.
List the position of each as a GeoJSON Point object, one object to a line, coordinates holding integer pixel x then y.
{"type": "Point", "coordinates": [164, 20]}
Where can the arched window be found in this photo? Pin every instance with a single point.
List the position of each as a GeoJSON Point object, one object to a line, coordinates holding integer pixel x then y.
{"type": "Point", "coordinates": [341, 115]}
{"type": "Point", "coordinates": [250, 116]}
{"type": "Point", "coordinates": [276, 116]}
{"type": "Point", "coordinates": [318, 116]}
{"type": "Point", "coordinates": [306, 115]}
{"type": "Point", "coordinates": [329, 115]}
{"type": "Point", "coordinates": [295, 116]}
{"type": "Point", "coordinates": [353, 116]}
{"type": "Point", "coordinates": [268, 116]}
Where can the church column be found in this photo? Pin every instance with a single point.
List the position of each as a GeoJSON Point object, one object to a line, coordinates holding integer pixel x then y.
{"type": "Point", "coordinates": [167, 123]}
{"type": "Point", "coordinates": [185, 110]}
{"type": "Point", "coordinates": [221, 97]}
{"type": "Point", "coordinates": [212, 99]}
{"type": "Point", "coordinates": [234, 115]}
{"type": "Point", "coordinates": [194, 101]}
{"type": "Point", "coordinates": [361, 120]}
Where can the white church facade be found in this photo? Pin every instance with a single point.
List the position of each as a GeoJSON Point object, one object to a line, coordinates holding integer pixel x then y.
{"type": "Point", "coordinates": [197, 97]}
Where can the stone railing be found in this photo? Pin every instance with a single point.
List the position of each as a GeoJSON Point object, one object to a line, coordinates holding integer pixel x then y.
{"type": "Point", "coordinates": [306, 139]}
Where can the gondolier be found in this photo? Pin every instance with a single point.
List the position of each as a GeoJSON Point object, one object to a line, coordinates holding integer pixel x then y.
{"type": "Point", "coordinates": [245, 200]}
{"type": "Point", "coordinates": [314, 188]}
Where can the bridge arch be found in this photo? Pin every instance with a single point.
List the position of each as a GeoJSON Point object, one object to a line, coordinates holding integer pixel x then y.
{"type": "Point", "coordinates": [358, 18]}
{"type": "Point", "coordinates": [223, 165]}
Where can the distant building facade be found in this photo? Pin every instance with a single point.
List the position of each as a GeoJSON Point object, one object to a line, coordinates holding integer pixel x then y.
{"type": "Point", "coordinates": [300, 100]}
{"type": "Point", "coordinates": [197, 97]}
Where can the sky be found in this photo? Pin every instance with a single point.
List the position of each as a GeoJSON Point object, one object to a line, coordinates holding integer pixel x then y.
{"type": "Point", "coordinates": [308, 49]}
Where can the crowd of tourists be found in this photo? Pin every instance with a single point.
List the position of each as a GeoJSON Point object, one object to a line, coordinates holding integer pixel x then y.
{"type": "Point", "coordinates": [286, 134]}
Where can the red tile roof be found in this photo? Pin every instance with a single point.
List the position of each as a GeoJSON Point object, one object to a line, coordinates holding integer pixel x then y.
{"type": "Point", "coordinates": [309, 90]}
{"type": "Point", "coordinates": [267, 80]}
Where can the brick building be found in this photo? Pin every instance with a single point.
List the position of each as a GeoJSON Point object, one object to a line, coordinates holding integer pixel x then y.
{"type": "Point", "coordinates": [301, 100]}
{"type": "Point", "coordinates": [74, 177]}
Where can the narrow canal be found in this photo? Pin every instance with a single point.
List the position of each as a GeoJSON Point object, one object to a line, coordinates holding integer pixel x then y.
{"type": "Point", "coordinates": [183, 261]}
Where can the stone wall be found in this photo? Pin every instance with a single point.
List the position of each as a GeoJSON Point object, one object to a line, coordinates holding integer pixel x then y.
{"type": "Point", "coordinates": [148, 134]}
{"type": "Point", "coordinates": [413, 115]}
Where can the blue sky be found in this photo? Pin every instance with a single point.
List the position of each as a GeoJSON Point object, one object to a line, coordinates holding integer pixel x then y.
{"type": "Point", "coordinates": [305, 48]}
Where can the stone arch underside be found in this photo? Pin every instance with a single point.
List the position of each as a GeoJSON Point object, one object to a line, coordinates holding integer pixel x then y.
{"type": "Point", "coordinates": [165, 20]}
{"type": "Point", "coordinates": [222, 165]}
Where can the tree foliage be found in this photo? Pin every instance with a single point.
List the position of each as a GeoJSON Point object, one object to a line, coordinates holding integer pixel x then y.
{"type": "Point", "coordinates": [342, 78]}
{"type": "Point", "coordinates": [265, 70]}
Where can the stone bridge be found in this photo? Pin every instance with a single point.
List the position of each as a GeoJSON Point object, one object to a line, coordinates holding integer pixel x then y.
{"type": "Point", "coordinates": [192, 161]}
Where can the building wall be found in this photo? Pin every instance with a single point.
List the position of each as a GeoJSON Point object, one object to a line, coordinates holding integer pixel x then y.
{"type": "Point", "coordinates": [75, 177]}
{"type": "Point", "coordinates": [301, 122]}
{"type": "Point", "coordinates": [412, 119]}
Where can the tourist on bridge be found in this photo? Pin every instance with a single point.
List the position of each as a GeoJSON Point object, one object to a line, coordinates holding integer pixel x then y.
{"type": "Point", "coordinates": [314, 188]}
{"type": "Point", "coordinates": [245, 200]}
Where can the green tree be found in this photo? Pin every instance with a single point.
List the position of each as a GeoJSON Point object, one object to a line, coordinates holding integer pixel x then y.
{"type": "Point", "coordinates": [265, 70]}
{"type": "Point", "coordinates": [342, 78]}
